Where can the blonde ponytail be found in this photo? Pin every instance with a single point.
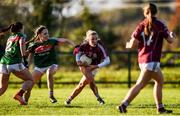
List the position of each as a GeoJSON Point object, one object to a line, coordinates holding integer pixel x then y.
{"type": "Point", "coordinates": [151, 10]}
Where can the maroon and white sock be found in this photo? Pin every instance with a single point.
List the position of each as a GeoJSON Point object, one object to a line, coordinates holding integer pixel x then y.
{"type": "Point", "coordinates": [21, 92]}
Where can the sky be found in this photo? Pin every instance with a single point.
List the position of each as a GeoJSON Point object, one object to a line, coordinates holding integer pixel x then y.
{"type": "Point", "coordinates": [75, 6]}
{"type": "Point", "coordinates": [95, 6]}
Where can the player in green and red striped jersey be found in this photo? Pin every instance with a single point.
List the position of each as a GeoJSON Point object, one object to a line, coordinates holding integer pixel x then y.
{"type": "Point", "coordinates": [14, 61]}
{"type": "Point", "coordinates": [42, 48]}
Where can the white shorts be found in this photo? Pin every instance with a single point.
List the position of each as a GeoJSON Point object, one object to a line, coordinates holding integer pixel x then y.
{"type": "Point", "coordinates": [44, 69]}
{"type": "Point", "coordinates": [151, 66]}
{"type": "Point", "coordinates": [7, 69]}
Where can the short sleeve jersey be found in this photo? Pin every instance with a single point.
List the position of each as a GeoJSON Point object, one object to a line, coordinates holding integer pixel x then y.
{"type": "Point", "coordinates": [97, 54]}
{"type": "Point", "coordinates": [44, 53]}
{"type": "Point", "coordinates": [149, 48]}
{"type": "Point", "coordinates": [12, 53]}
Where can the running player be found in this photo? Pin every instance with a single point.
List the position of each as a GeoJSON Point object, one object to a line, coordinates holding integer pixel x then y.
{"type": "Point", "coordinates": [148, 36]}
{"type": "Point", "coordinates": [93, 49]}
{"type": "Point", "coordinates": [43, 50]}
{"type": "Point", "coordinates": [13, 59]}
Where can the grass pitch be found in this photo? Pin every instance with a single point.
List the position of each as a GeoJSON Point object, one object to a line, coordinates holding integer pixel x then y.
{"type": "Point", "coordinates": [86, 104]}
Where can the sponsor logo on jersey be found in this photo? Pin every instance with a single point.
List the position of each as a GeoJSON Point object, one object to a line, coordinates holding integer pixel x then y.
{"type": "Point", "coordinates": [43, 48]}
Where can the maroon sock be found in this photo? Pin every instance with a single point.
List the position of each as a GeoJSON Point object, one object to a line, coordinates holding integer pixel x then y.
{"type": "Point", "coordinates": [21, 92]}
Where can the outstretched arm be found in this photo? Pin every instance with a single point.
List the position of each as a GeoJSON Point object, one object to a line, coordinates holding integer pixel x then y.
{"type": "Point", "coordinates": [63, 40]}
{"type": "Point", "coordinates": [132, 43]}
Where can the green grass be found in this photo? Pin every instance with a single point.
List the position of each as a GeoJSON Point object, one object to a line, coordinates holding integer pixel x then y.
{"type": "Point", "coordinates": [86, 104]}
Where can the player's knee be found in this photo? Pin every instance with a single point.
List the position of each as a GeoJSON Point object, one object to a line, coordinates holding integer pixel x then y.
{"type": "Point", "coordinates": [82, 85]}
{"type": "Point", "coordinates": [32, 80]}
{"type": "Point", "coordinates": [29, 83]}
{"type": "Point", "coordinates": [159, 83]}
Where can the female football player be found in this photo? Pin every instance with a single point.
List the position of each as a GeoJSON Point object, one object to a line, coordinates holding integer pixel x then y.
{"type": "Point", "coordinates": [13, 59]}
{"type": "Point", "coordinates": [42, 48]}
{"type": "Point", "coordinates": [148, 36]}
{"type": "Point", "coordinates": [93, 49]}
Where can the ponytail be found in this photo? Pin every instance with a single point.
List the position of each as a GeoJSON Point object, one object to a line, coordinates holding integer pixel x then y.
{"type": "Point", "coordinates": [31, 40]}
{"type": "Point", "coordinates": [37, 32]}
{"type": "Point", "coordinates": [151, 10]}
{"type": "Point", "coordinates": [148, 27]}
{"type": "Point", "coordinates": [4, 30]}
{"type": "Point", "coordinates": [14, 28]}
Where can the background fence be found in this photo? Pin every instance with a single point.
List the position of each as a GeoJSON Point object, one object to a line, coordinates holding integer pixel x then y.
{"type": "Point", "coordinates": [127, 60]}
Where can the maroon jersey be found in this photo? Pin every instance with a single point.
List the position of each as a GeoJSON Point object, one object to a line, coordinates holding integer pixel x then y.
{"type": "Point", "coordinates": [97, 54]}
{"type": "Point", "coordinates": [149, 48]}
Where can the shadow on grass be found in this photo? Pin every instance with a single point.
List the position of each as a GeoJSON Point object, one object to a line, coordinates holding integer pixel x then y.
{"type": "Point", "coordinates": [154, 106]}
{"type": "Point", "coordinates": [76, 105]}
{"type": "Point", "coordinates": [86, 106]}
{"type": "Point", "coordinates": [176, 114]}
{"type": "Point", "coordinates": [58, 106]}
{"type": "Point", "coordinates": [70, 106]}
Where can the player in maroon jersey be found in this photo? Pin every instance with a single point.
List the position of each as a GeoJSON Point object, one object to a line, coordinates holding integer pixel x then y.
{"type": "Point", "coordinates": [148, 36]}
{"type": "Point", "coordinates": [92, 48]}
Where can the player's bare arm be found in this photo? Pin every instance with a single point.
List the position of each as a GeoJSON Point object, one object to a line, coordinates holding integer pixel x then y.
{"type": "Point", "coordinates": [132, 43]}
{"type": "Point", "coordinates": [64, 40]}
